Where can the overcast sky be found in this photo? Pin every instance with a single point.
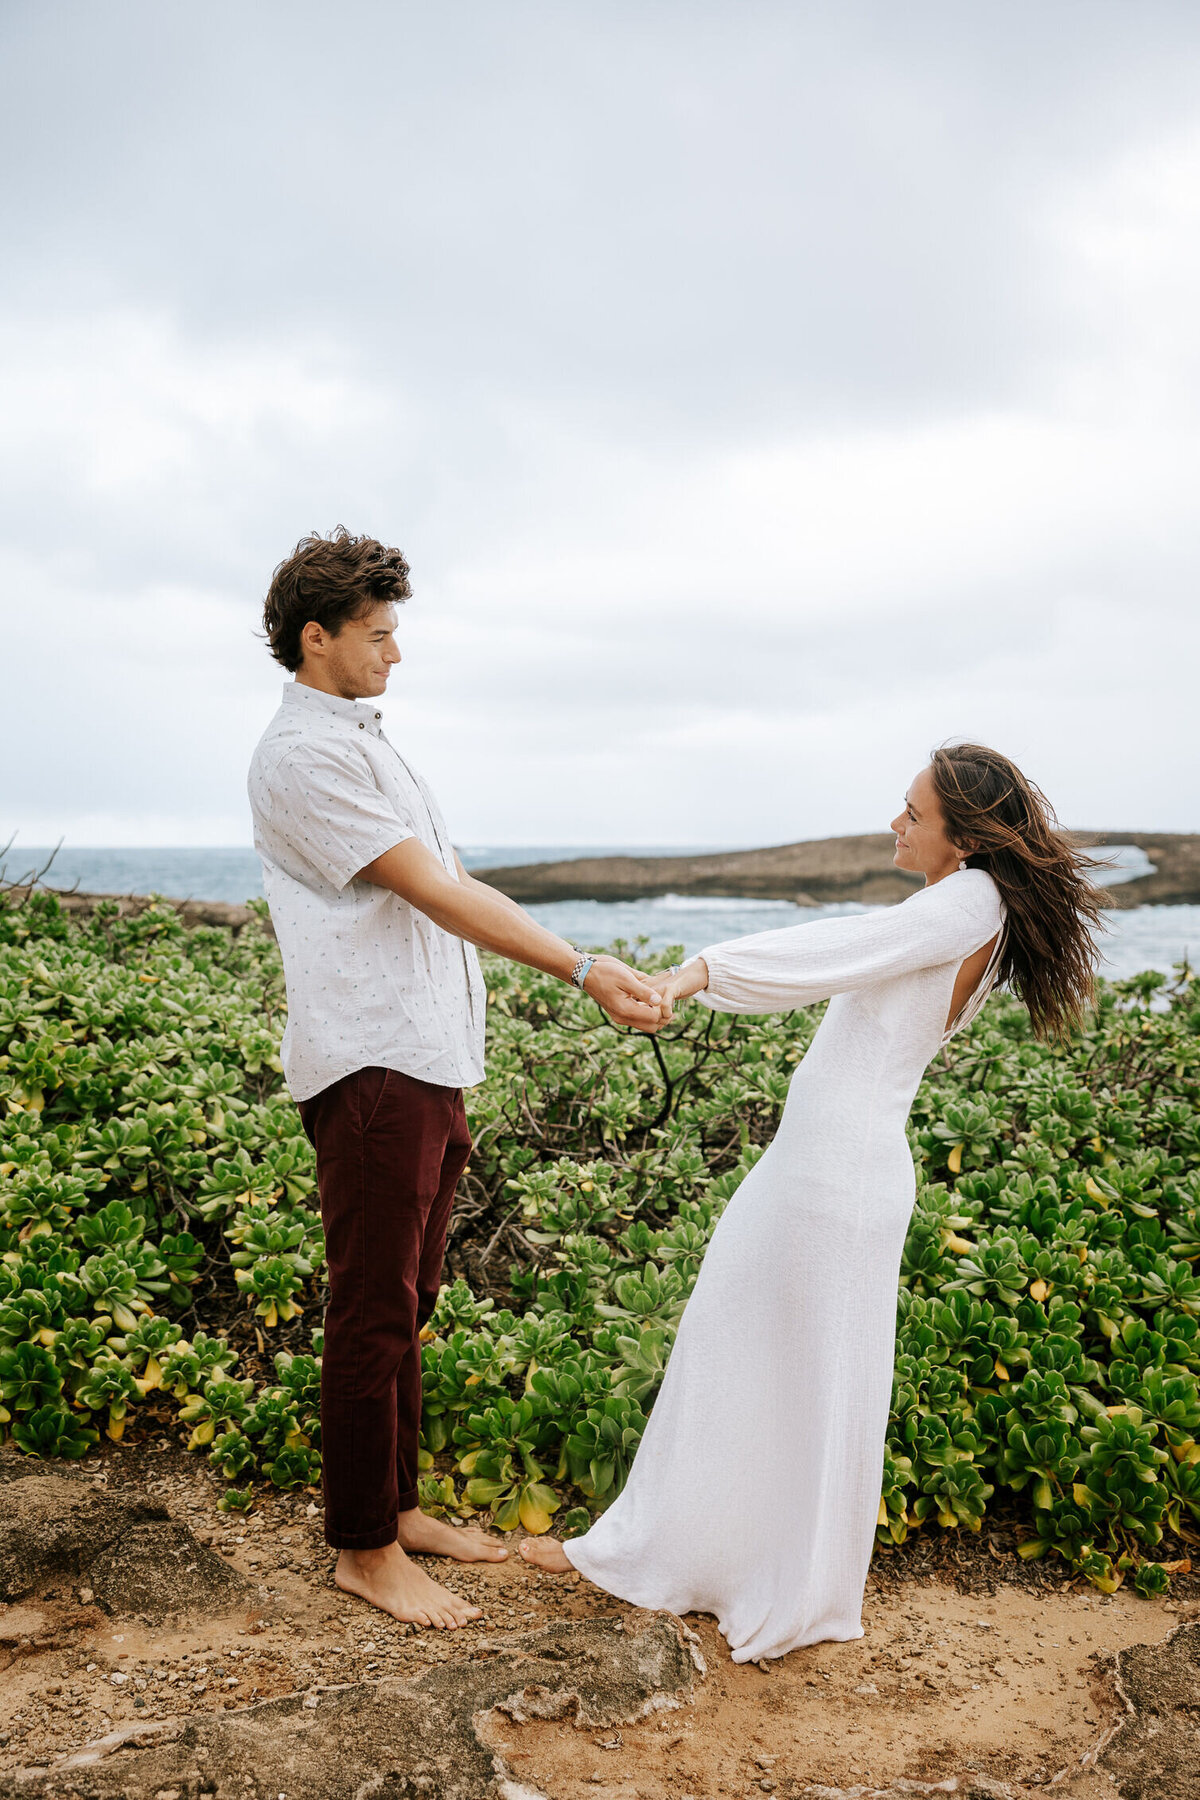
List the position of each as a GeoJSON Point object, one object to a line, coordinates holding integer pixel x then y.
{"type": "Point", "coordinates": [761, 393]}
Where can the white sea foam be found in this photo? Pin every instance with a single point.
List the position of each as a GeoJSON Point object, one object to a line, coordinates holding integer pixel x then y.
{"type": "Point", "coordinates": [715, 904]}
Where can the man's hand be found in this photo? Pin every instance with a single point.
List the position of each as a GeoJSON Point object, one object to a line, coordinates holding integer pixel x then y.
{"type": "Point", "coordinates": [626, 996]}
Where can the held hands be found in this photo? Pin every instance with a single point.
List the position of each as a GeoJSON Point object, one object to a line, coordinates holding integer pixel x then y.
{"type": "Point", "coordinates": [680, 985]}
{"type": "Point", "coordinates": [627, 997]}
{"type": "Point", "coordinates": [645, 1002]}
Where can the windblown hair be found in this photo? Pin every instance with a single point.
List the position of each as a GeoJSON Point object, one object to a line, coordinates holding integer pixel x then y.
{"type": "Point", "coordinates": [329, 580]}
{"type": "Point", "coordinates": [1053, 909]}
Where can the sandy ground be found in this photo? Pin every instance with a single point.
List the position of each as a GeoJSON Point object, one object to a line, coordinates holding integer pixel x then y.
{"type": "Point", "coordinates": [1012, 1683]}
{"type": "Point", "coordinates": [940, 1685]}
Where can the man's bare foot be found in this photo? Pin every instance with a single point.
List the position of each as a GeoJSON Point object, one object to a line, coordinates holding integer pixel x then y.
{"type": "Point", "coordinates": [546, 1553]}
{"type": "Point", "coordinates": [387, 1579]}
{"type": "Point", "coordinates": [434, 1537]}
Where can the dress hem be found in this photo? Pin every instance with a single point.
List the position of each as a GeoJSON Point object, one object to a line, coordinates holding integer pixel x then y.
{"type": "Point", "coordinates": [740, 1653]}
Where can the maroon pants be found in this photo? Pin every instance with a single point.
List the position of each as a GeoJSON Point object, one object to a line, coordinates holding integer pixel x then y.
{"type": "Point", "coordinates": [390, 1150]}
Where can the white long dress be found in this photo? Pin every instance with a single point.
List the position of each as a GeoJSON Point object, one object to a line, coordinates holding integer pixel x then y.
{"type": "Point", "coordinates": [755, 1490]}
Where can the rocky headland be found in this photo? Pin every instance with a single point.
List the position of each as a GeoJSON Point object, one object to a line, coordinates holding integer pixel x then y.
{"type": "Point", "coordinates": [820, 871]}
{"type": "Point", "coordinates": [815, 872]}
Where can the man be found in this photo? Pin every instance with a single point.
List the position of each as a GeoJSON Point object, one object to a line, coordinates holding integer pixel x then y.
{"type": "Point", "coordinates": [375, 917]}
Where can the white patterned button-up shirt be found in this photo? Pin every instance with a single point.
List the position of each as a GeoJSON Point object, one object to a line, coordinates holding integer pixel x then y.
{"type": "Point", "coordinates": [371, 982]}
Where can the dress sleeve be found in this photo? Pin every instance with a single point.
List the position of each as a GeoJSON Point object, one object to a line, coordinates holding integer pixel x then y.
{"type": "Point", "coordinates": [773, 971]}
{"type": "Point", "coordinates": [324, 805]}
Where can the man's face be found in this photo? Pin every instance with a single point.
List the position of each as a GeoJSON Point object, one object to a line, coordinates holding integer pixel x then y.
{"type": "Point", "coordinates": [357, 661]}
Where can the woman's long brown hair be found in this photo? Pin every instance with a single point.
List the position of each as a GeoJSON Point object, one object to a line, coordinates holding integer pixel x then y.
{"type": "Point", "coordinates": [1053, 910]}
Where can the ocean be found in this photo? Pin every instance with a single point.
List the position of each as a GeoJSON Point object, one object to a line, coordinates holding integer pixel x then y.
{"type": "Point", "coordinates": [1144, 937]}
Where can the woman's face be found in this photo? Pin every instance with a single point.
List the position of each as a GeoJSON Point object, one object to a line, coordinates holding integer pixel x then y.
{"type": "Point", "coordinates": [921, 841]}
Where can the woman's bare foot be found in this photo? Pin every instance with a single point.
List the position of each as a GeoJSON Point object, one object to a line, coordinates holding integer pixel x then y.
{"type": "Point", "coordinates": [434, 1537]}
{"type": "Point", "coordinates": [387, 1579]}
{"type": "Point", "coordinates": [546, 1553]}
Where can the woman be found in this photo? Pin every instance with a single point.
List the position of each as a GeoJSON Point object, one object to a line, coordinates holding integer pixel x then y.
{"type": "Point", "coordinates": [755, 1489]}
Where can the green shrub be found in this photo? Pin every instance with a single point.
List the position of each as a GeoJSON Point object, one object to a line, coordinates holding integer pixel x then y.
{"type": "Point", "coordinates": [157, 1196]}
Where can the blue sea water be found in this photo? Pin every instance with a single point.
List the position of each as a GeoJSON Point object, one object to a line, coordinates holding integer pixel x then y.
{"type": "Point", "coordinates": [233, 873]}
{"type": "Point", "coordinates": [1144, 937]}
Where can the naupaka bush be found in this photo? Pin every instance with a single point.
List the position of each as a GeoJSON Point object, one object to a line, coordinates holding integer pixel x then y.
{"type": "Point", "coordinates": [161, 1256]}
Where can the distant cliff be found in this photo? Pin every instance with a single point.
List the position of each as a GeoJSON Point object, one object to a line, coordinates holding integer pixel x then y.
{"type": "Point", "coordinates": [818, 872]}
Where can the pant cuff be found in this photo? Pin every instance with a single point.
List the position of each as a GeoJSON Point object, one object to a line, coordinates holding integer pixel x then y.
{"type": "Point", "coordinates": [378, 1539]}
{"type": "Point", "coordinates": [408, 1502]}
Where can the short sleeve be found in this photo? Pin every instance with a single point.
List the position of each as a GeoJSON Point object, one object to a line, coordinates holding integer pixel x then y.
{"type": "Point", "coordinates": [323, 805]}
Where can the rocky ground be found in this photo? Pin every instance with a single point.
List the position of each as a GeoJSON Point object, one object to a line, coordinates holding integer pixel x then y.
{"type": "Point", "coordinates": [152, 1646]}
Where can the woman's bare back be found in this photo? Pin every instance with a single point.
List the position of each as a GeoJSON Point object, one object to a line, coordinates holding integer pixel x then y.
{"type": "Point", "coordinates": [970, 974]}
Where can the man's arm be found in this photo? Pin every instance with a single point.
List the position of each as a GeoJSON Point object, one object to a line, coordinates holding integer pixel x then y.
{"type": "Point", "coordinates": [476, 912]}
{"type": "Point", "coordinates": [470, 881]}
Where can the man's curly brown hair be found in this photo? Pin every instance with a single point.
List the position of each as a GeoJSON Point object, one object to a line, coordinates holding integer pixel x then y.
{"type": "Point", "coordinates": [329, 580]}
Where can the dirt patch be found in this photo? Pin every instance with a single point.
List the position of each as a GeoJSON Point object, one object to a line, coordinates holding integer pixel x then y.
{"type": "Point", "coordinates": [389, 1738]}
{"type": "Point", "coordinates": [124, 1552]}
{"type": "Point", "coordinates": [1002, 1697]}
{"type": "Point", "coordinates": [1155, 1752]}
{"type": "Point", "coordinates": [985, 1678]}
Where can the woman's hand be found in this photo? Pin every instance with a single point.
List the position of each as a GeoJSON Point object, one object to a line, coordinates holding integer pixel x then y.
{"type": "Point", "coordinates": [686, 981]}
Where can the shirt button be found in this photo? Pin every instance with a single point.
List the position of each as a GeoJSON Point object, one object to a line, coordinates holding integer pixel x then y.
{"type": "Point", "coordinates": [379, 715]}
{"type": "Point", "coordinates": [361, 726]}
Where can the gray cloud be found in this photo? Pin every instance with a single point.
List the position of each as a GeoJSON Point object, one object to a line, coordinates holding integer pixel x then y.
{"type": "Point", "coordinates": [761, 393]}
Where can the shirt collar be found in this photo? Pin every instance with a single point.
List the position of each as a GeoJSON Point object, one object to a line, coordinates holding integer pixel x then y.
{"type": "Point", "coordinates": [314, 702]}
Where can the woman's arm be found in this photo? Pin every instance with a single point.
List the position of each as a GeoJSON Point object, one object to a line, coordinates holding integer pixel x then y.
{"type": "Point", "coordinates": [773, 971]}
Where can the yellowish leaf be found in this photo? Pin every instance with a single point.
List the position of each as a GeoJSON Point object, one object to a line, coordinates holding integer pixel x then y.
{"type": "Point", "coordinates": [532, 1517]}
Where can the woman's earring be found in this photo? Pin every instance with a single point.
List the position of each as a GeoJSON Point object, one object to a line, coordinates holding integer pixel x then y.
{"type": "Point", "coordinates": [963, 863]}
